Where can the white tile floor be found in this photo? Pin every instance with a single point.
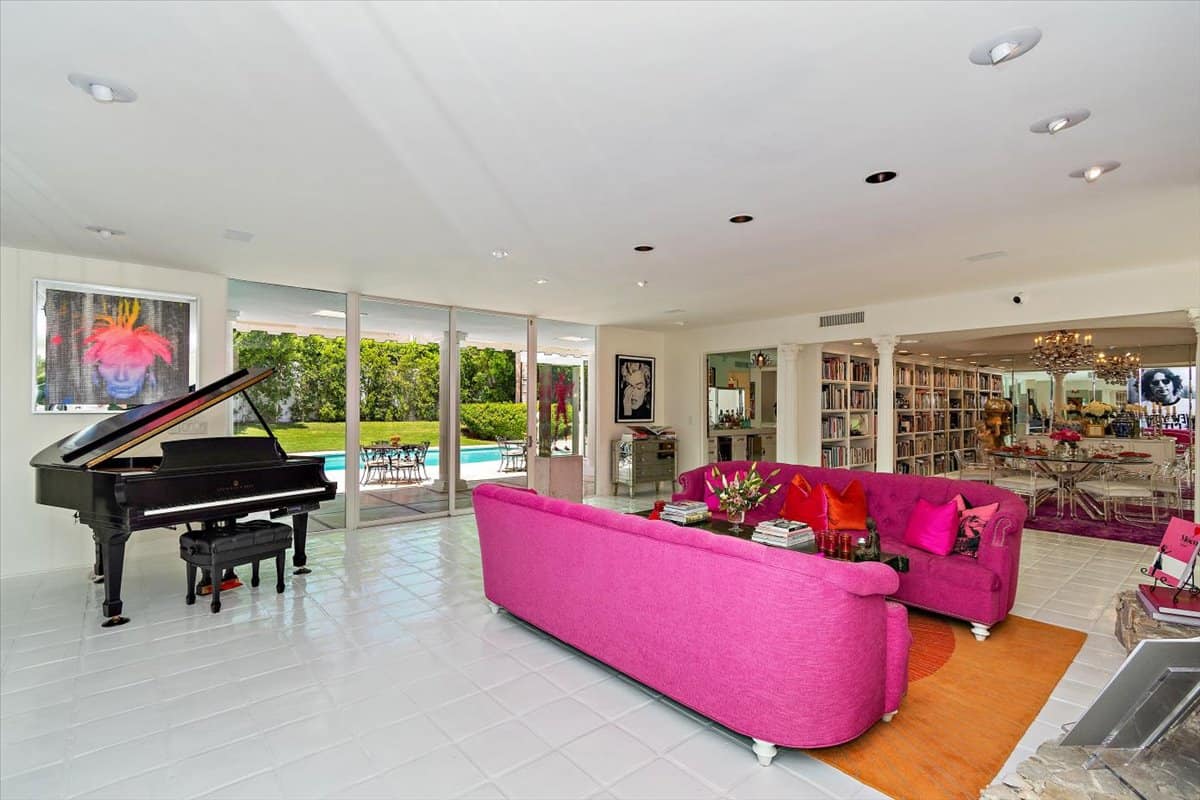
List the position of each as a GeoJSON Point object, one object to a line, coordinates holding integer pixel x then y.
{"type": "Point", "coordinates": [382, 674]}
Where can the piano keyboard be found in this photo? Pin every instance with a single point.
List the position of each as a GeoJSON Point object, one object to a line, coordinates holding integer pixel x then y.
{"type": "Point", "coordinates": [233, 501]}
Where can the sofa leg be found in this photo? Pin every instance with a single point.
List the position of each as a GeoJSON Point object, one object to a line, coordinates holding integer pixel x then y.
{"type": "Point", "coordinates": [888, 716]}
{"type": "Point", "coordinates": [765, 752]}
{"type": "Point", "coordinates": [980, 630]}
{"type": "Point", "coordinates": [494, 608]}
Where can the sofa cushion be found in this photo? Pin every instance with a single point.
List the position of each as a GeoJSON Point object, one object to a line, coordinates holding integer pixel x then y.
{"type": "Point", "coordinates": [927, 568]}
{"type": "Point", "coordinates": [932, 527]}
{"type": "Point", "coordinates": [847, 509]}
{"type": "Point", "coordinates": [971, 523]}
{"type": "Point", "coordinates": [807, 504]}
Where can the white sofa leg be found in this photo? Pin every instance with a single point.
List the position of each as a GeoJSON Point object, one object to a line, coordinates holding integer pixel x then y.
{"type": "Point", "coordinates": [888, 716]}
{"type": "Point", "coordinates": [980, 630]}
{"type": "Point", "coordinates": [765, 752]}
{"type": "Point", "coordinates": [495, 608]}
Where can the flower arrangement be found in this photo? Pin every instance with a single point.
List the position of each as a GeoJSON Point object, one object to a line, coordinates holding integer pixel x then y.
{"type": "Point", "coordinates": [1097, 411]}
{"type": "Point", "coordinates": [740, 493]}
{"type": "Point", "coordinates": [1065, 435]}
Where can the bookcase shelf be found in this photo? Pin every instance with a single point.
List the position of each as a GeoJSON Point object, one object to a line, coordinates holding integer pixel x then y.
{"type": "Point", "coordinates": [848, 404]}
{"type": "Point", "coordinates": [938, 404]}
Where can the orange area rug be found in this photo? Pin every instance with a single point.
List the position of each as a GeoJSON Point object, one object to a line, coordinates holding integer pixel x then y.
{"type": "Point", "coordinates": [968, 704]}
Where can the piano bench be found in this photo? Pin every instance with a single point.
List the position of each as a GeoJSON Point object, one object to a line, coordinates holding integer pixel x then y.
{"type": "Point", "coordinates": [224, 548]}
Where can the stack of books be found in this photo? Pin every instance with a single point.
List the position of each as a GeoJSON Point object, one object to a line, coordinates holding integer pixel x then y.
{"type": "Point", "coordinates": [782, 533]}
{"type": "Point", "coordinates": [686, 512]}
{"type": "Point", "coordinates": [1162, 604]}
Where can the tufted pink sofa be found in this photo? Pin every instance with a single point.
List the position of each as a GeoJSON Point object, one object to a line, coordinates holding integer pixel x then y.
{"type": "Point", "coordinates": [980, 590]}
{"type": "Point", "coordinates": [787, 648]}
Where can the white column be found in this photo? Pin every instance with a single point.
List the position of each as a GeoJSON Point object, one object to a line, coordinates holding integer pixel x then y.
{"type": "Point", "coordinates": [448, 385]}
{"type": "Point", "coordinates": [353, 415]}
{"type": "Point", "coordinates": [787, 413]}
{"type": "Point", "coordinates": [1194, 316]}
{"type": "Point", "coordinates": [1060, 397]}
{"type": "Point", "coordinates": [531, 403]}
{"type": "Point", "coordinates": [885, 404]}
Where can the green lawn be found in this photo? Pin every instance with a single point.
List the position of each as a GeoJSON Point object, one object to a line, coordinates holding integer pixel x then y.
{"type": "Point", "coordinates": [307, 437]}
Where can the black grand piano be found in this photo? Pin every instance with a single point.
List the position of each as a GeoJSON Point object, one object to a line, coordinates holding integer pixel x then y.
{"type": "Point", "coordinates": [209, 481]}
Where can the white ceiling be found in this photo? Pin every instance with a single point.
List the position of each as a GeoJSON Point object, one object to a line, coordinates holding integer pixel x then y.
{"type": "Point", "coordinates": [389, 148]}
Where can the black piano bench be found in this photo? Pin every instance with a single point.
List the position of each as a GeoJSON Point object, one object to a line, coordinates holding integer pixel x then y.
{"type": "Point", "coordinates": [219, 549]}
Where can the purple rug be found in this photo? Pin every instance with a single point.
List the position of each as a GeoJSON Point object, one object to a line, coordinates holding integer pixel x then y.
{"type": "Point", "coordinates": [1046, 519]}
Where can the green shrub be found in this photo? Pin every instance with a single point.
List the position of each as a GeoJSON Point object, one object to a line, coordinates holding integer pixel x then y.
{"type": "Point", "coordinates": [492, 420]}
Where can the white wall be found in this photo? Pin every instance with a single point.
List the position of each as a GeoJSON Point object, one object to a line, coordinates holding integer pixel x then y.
{"type": "Point", "coordinates": [34, 537]}
{"type": "Point", "coordinates": [611, 342]}
{"type": "Point", "coordinates": [1137, 291]}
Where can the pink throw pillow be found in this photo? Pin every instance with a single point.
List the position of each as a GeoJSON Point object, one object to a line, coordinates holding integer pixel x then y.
{"type": "Point", "coordinates": [971, 523]}
{"type": "Point", "coordinates": [932, 528]}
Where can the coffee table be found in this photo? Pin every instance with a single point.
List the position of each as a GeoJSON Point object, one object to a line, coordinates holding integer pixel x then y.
{"type": "Point", "coordinates": [724, 528]}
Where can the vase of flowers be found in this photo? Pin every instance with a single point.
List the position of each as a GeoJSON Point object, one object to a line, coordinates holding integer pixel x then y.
{"type": "Point", "coordinates": [1097, 414]}
{"type": "Point", "coordinates": [739, 493]}
{"type": "Point", "coordinates": [1067, 440]}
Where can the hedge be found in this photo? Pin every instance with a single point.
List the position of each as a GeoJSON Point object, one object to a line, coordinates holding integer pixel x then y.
{"type": "Point", "coordinates": [493, 420]}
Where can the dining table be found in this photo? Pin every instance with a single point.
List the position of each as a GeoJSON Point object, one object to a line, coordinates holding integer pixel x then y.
{"type": "Point", "coordinates": [1068, 469]}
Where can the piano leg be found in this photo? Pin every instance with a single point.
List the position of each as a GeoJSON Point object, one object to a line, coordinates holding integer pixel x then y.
{"type": "Point", "coordinates": [112, 552]}
{"type": "Point", "coordinates": [299, 535]}
{"type": "Point", "coordinates": [97, 575]}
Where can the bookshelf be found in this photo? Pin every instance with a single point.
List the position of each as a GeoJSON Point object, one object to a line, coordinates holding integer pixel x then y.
{"type": "Point", "coordinates": [848, 410]}
{"type": "Point", "coordinates": [938, 404]}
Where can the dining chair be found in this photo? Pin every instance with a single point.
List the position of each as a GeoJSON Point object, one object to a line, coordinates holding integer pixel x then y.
{"type": "Point", "coordinates": [1023, 480]}
{"type": "Point", "coordinates": [1116, 489]}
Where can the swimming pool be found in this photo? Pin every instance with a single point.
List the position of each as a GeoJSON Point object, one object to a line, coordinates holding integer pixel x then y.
{"type": "Point", "coordinates": [474, 454]}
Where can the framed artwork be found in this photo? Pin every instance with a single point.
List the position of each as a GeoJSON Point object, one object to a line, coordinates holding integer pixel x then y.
{"type": "Point", "coordinates": [101, 348]}
{"type": "Point", "coordinates": [635, 389]}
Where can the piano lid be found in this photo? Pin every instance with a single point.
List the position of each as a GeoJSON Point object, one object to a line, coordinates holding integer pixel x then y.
{"type": "Point", "coordinates": [110, 437]}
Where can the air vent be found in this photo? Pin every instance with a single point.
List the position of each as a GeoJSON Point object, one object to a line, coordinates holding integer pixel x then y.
{"type": "Point", "coordinates": [847, 318]}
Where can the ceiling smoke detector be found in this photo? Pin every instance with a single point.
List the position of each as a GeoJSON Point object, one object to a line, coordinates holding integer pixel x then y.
{"type": "Point", "coordinates": [102, 90]}
{"type": "Point", "coordinates": [499, 253]}
{"type": "Point", "coordinates": [1005, 47]}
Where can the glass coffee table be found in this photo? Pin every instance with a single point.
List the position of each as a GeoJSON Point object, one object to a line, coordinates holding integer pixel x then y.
{"type": "Point", "coordinates": [721, 527]}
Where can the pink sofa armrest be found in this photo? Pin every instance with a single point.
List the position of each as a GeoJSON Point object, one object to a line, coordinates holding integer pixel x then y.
{"type": "Point", "coordinates": [899, 640]}
{"type": "Point", "coordinates": [691, 485]}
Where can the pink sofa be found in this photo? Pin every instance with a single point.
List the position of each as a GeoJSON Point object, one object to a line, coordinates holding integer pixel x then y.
{"type": "Point", "coordinates": [980, 590]}
{"type": "Point", "coordinates": [786, 648]}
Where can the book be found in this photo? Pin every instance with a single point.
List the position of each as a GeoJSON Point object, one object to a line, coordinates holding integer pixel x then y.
{"type": "Point", "coordinates": [782, 525]}
{"type": "Point", "coordinates": [1164, 616]}
{"type": "Point", "coordinates": [1162, 598]}
{"type": "Point", "coordinates": [1175, 563]}
{"type": "Point", "coordinates": [777, 541]}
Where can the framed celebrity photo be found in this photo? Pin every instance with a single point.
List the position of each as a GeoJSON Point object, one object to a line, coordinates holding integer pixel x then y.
{"type": "Point", "coordinates": [635, 389]}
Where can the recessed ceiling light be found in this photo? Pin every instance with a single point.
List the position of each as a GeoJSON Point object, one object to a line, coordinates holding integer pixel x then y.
{"type": "Point", "coordinates": [909, 341]}
{"type": "Point", "coordinates": [974, 362]}
{"type": "Point", "coordinates": [681, 323]}
{"type": "Point", "coordinates": [1005, 47]}
{"type": "Point", "coordinates": [880, 177]}
{"type": "Point", "coordinates": [977, 354]}
{"type": "Point", "coordinates": [924, 354]}
{"type": "Point", "coordinates": [958, 359]}
{"type": "Point", "coordinates": [499, 253]}
{"type": "Point", "coordinates": [642, 284]}
{"type": "Point", "coordinates": [644, 248]}
{"type": "Point", "coordinates": [104, 233]}
{"type": "Point", "coordinates": [102, 90]}
{"type": "Point", "coordinates": [542, 281]}
{"type": "Point", "coordinates": [573, 339]}
{"type": "Point", "coordinates": [988, 256]}
{"type": "Point", "coordinates": [740, 218]}
{"type": "Point", "coordinates": [1092, 174]}
{"type": "Point", "coordinates": [1006, 359]}
{"type": "Point", "coordinates": [235, 235]}
{"type": "Point", "coordinates": [1060, 122]}
{"type": "Point", "coordinates": [904, 352]}
{"type": "Point", "coordinates": [857, 344]}
{"type": "Point", "coordinates": [673, 311]}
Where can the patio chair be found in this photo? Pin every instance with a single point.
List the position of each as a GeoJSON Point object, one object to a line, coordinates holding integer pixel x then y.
{"type": "Point", "coordinates": [374, 461]}
{"type": "Point", "coordinates": [420, 453]}
{"type": "Point", "coordinates": [512, 454]}
{"type": "Point", "coordinates": [406, 461]}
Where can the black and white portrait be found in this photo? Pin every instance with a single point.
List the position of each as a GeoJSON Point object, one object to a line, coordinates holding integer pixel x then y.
{"type": "Point", "coordinates": [1162, 385]}
{"type": "Point", "coordinates": [1167, 393]}
{"type": "Point", "coordinates": [635, 389]}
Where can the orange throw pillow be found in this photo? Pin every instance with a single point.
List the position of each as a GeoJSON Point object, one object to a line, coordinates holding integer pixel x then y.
{"type": "Point", "coordinates": [848, 510]}
{"type": "Point", "coordinates": [805, 504]}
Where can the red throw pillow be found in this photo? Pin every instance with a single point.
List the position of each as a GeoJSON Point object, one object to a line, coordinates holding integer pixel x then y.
{"type": "Point", "coordinates": [932, 528]}
{"type": "Point", "coordinates": [847, 510]}
{"type": "Point", "coordinates": [806, 504]}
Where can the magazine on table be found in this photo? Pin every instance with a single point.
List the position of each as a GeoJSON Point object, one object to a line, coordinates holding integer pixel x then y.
{"type": "Point", "coordinates": [1175, 563]}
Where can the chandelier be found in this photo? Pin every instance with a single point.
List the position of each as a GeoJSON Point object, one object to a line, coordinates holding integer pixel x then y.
{"type": "Point", "coordinates": [1060, 352]}
{"type": "Point", "coordinates": [1117, 368]}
